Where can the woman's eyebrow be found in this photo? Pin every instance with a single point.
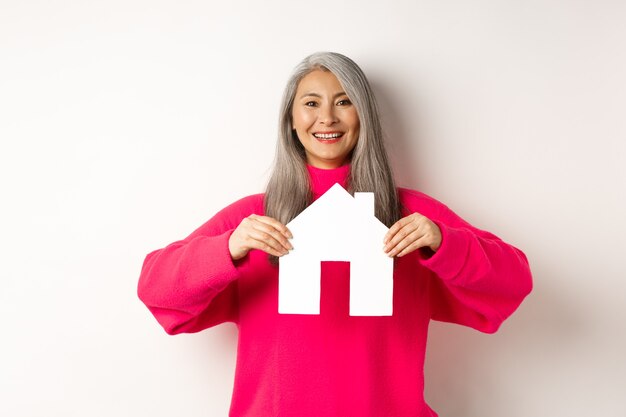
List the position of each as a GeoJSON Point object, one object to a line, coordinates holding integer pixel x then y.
{"type": "Point", "coordinates": [311, 94]}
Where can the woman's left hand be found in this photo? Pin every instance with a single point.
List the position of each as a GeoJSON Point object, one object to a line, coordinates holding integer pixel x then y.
{"type": "Point", "coordinates": [412, 232]}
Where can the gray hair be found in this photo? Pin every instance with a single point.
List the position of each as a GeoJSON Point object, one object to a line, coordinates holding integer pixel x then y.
{"type": "Point", "coordinates": [288, 191]}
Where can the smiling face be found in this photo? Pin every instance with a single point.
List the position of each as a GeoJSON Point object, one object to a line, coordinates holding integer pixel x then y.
{"type": "Point", "coordinates": [325, 120]}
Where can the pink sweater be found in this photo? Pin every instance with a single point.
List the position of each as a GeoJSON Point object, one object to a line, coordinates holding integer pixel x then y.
{"type": "Point", "coordinates": [333, 364]}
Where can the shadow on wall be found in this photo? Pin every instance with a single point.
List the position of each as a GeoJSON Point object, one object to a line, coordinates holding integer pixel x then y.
{"type": "Point", "coordinates": [399, 141]}
{"type": "Point", "coordinates": [468, 374]}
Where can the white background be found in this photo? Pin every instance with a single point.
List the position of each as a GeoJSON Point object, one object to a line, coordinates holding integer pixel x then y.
{"type": "Point", "coordinates": [124, 125]}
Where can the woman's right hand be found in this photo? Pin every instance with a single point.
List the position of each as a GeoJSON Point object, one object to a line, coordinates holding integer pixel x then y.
{"type": "Point", "coordinates": [259, 232]}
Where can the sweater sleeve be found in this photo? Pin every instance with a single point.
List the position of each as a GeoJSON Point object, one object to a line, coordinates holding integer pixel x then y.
{"type": "Point", "coordinates": [191, 284]}
{"type": "Point", "coordinates": [479, 280]}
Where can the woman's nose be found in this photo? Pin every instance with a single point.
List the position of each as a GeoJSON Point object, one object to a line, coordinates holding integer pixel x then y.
{"type": "Point", "coordinates": [327, 115]}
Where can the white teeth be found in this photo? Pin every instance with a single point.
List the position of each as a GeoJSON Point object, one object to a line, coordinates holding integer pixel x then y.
{"type": "Point", "coordinates": [327, 135]}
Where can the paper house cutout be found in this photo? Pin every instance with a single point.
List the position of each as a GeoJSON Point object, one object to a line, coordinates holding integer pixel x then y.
{"type": "Point", "coordinates": [337, 227]}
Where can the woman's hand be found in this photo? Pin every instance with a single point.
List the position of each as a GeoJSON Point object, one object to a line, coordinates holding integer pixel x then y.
{"type": "Point", "coordinates": [259, 232]}
{"type": "Point", "coordinates": [412, 232]}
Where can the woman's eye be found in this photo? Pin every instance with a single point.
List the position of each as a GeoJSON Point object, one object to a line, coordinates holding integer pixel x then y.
{"type": "Point", "coordinates": [344, 102]}
{"type": "Point", "coordinates": [310, 104]}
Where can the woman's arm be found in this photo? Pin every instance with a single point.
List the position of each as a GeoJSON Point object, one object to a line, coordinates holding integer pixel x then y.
{"type": "Point", "coordinates": [477, 279]}
{"type": "Point", "coordinates": [191, 284]}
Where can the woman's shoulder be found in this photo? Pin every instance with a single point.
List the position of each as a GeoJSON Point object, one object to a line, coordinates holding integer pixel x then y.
{"type": "Point", "coordinates": [417, 201]}
{"type": "Point", "coordinates": [230, 216]}
{"type": "Point", "coordinates": [245, 206]}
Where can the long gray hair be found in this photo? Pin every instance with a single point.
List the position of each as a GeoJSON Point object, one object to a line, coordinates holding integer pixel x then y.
{"type": "Point", "coordinates": [288, 191]}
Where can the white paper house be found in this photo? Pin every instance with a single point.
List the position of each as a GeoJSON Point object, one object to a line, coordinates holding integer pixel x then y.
{"type": "Point", "coordinates": [337, 227]}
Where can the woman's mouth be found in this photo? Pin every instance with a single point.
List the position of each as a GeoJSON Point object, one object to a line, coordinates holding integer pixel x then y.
{"type": "Point", "coordinates": [328, 137]}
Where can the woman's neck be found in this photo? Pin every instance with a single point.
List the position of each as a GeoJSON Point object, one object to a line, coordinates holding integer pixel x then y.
{"type": "Point", "coordinates": [322, 179]}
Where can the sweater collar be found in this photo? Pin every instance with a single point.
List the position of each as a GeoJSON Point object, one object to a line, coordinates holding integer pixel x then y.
{"type": "Point", "coordinates": [323, 179]}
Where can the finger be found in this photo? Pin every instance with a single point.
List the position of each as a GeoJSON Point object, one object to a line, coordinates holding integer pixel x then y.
{"type": "Point", "coordinates": [275, 224]}
{"type": "Point", "coordinates": [270, 230]}
{"type": "Point", "coordinates": [267, 239]}
{"type": "Point", "coordinates": [404, 243]}
{"type": "Point", "coordinates": [420, 243]}
{"type": "Point", "coordinates": [395, 228]}
{"type": "Point", "coordinates": [400, 224]}
{"type": "Point", "coordinates": [400, 235]}
{"type": "Point", "coordinates": [266, 248]}
{"type": "Point", "coordinates": [266, 243]}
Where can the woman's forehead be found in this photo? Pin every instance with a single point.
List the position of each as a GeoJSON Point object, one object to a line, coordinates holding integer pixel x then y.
{"type": "Point", "coordinates": [317, 82]}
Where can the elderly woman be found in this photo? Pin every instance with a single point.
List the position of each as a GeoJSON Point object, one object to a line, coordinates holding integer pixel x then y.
{"type": "Point", "coordinates": [332, 364]}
